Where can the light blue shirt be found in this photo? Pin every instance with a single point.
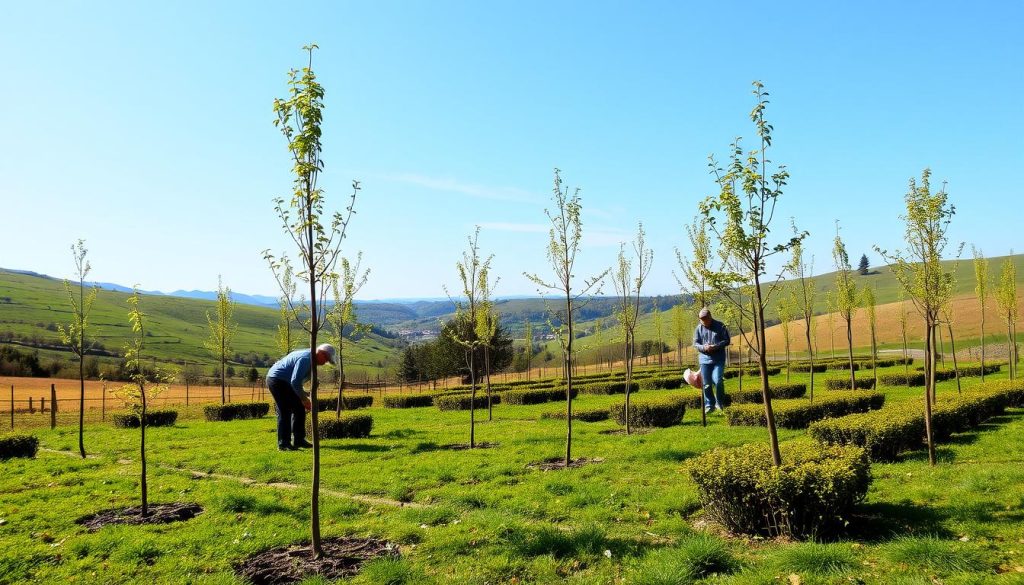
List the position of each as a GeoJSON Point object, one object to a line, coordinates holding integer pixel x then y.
{"type": "Point", "coordinates": [293, 368]}
{"type": "Point", "coordinates": [717, 336]}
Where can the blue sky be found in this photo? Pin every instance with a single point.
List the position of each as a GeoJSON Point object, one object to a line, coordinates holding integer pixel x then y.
{"type": "Point", "coordinates": [146, 128]}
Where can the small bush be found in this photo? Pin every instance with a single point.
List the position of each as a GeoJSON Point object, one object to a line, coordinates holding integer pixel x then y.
{"type": "Point", "coordinates": [583, 414]}
{"type": "Point", "coordinates": [883, 433]}
{"type": "Point", "coordinates": [408, 401]}
{"type": "Point", "coordinates": [750, 396]}
{"type": "Point", "coordinates": [154, 418]}
{"type": "Point", "coordinates": [750, 372]}
{"type": "Point", "coordinates": [844, 383]}
{"type": "Point", "coordinates": [605, 388]}
{"type": "Point", "coordinates": [462, 401]}
{"type": "Point", "coordinates": [818, 368]}
{"type": "Point", "coordinates": [840, 365]}
{"type": "Point", "coordinates": [18, 446]}
{"type": "Point", "coordinates": [348, 402]}
{"type": "Point", "coordinates": [663, 411]}
{"type": "Point", "coordinates": [241, 410]}
{"type": "Point", "coordinates": [661, 383]}
{"type": "Point", "coordinates": [798, 414]}
{"type": "Point", "coordinates": [811, 494]}
{"type": "Point", "coordinates": [902, 379]}
{"type": "Point", "coordinates": [349, 426]}
{"type": "Point", "coordinates": [534, 396]}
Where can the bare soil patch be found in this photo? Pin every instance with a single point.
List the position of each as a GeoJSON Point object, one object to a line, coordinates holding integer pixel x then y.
{"type": "Point", "coordinates": [556, 463]}
{"type": "Point", "coordinates": [158, 514]}
{"type": "Point", "coordinates": [343, 557]}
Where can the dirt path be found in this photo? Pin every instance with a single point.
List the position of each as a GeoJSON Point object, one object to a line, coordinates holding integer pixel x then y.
{"type": "Point", "coordinates": [248, 481]}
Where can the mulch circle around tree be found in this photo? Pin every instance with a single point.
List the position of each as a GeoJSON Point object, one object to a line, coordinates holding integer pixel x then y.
{"type": "Point", "coordinates": [158, 514]}
{"type": "Point", "coordinates": [343, 557]}
{"type": "Point", "coordinates": [466, 447]}
{"type": "Point", "coordinates": [556, 463]}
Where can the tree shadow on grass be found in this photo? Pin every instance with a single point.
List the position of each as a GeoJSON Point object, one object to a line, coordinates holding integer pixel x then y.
{"type": "Point", "coordinates": [402, 434]}
{"type": "Point", "coordinates": [883, 521]}
{"type": "Point", "coordinates": [357, 447]}
{"type": "Point", "coordinates": [671, 454]}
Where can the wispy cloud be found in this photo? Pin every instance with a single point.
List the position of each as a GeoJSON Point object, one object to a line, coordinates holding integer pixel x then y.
{"type": "Point", "coordinates": [469, 189]}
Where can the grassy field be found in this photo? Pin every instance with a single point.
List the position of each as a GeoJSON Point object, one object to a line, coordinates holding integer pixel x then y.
{"type": "Point", "coordinates": [483, 517]}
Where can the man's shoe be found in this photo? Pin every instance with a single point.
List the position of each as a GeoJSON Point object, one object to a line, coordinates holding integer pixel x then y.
{"type": "Point", "coordinates": [286, 448]}
{"type": "Point", "coordinates": [718, 409]}
{"type": "Point", "coordinates": [303, 445]}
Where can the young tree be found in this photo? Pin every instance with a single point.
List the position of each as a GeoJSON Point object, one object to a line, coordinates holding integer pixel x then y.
{"type": "Point", "coordinates": [692, 277]}
{"type": "Point", "coordinates": [299, 117]}
{"type": "Point", "coordinates": [946, 310]}
{"type": "Point", "coordinates": [659, 331]}
{"type": "Point", "coordinates": [486, 328]}
{"type": "Point", "coordinates": [135, 392]}
{"type": "Point", "coordinates": [981, 290]}
{"type": "Point", "coordinates": [903, 317]}
{"type": "Point", "coordinates": [1006, 296]}
{"type": "Point", "coordinates": [846, 296]}
{"type": "Point", "coordinates": [528, 333]}
{"type": "Point", "coordinates": [283, 339]}
{"type": "Point", "coordinates": [473, 274]}
{"type": "Point", "coordinates": [862, 266]}
{"type": "Point", "coordinates": [830, 306]}
{"type": "Point", "coordinates": [222, 332]}
{"type": "Point", "coordinates": [627, 311]}
{"type": "Point", "coordinates": [919, 271]}
{"type": "Point", "coordinates": [747, 199]}
{"type": "Point", "coordinates": [805, 293]}
{"type": "Point", "coordinates": [679, 329]}
{"type": "Point", "coordinates": [786, 308]}
{"type": "Point", "coordinates": [563, 245]}
{"type": "Point", "coordinates": [868, 299]}
{"type": "Point", "coordinates": [344, 289]}
{"type": "Point", "coordinates": [74, 335]}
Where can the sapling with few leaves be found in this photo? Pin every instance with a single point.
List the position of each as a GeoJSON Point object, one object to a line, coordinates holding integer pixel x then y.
{"type": "Point", "coordinates": [920, 272]}
{"type": "Point", "coordinates": [344, 288]}
{"type": "Point", "coordinates": [846, 301]}
{"type": "Point", "coordinates": [486, 329]}
{"type": "Point", "coordinates": [74, 335]}
{"type": "Point", "coordinates": [806, 290]}
{"type": "Point", "coordinates": [1006, 297]}
{"type": "Point", "coordinates": [299, 117]}
{"type": "Point", "coordinates": [787, 309]}
{"type": "Point", "coordinates": [981, 280]}
{"type": "Point", "coordinates": [870, 304]}
{"type": "Point", "coordinates": [679, 329]}
{"type": "Point", "coordinates": [283, 339]}
{"type": "Point", "coordinates": [746, 204]}
{"type": "Point", "coordinates": [627, 285]}
{"type": "Point", "coordinates": [222, 332]}
{"type": "Point", "coordinates": [564, 239]}
{"type": "Point", "coordinates": [903, 317]}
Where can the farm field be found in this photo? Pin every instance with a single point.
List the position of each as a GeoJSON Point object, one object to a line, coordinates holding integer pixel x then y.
{"type": "Point", "coordinates": [632, 515]}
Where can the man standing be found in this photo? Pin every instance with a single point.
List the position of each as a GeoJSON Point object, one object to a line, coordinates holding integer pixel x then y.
{"type": "Point", "coordinates": [710, 340]}
{"type": "Point", "coordinates": [284, 380]}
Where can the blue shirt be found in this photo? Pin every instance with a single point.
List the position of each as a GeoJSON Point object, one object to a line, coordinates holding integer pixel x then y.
{"type": "Point", "coordinates": [293, 368]}
{"type": "Point", "coordinates": [717, 336]}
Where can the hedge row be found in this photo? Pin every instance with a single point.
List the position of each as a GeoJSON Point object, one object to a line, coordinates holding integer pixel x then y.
{"type": "Point", "coordinates": [349, 426]}
{"type": "Point", "coordinates": [462, 401]}
{"type": "Point", "coordinates": [818, 368]}
{"type": "Point", "coordinates": [18, 446]}
{"type": "Point", "coordinates": [888, 432]}
{"type": "Point", "coordinates": [585, 414]}
{"type": "Point", "coordinates": [810, 495]}
{"type": "Point", "coordinates": [348, 402]}
{"type": "Point", "coordinates": [154, 418]}
{"type": "Point", "coordinates": [534, 396]}
{"type": "Point", "coordinates": [663, 411]}
{"type": "Point", "coordinates": [243, 410]}
{"type": "Point", "coordinates": [837, 365]}
{"type": "Point", "coordinates": [844, 383]}
{"type": "Point", "coordinates": [798, 414]}
{"type": "Point", "coordinates": [752, 396]}
{"type": "Point", "coordinates": [606, 388]}
{"type": "Point", "coordinates": [408, 401]}
{"type": "Point", "coordinates": [916, 378]}
{"type": "Point", "coordinates": [660, 383]}
{"type": "Point", "coordinates": [733, 373]}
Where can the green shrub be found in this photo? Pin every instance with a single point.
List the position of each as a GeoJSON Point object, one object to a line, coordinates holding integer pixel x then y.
{"type": "Point", "coordinates": [812, 494]}
{"type": "Point", "coordinates": [798, 414]}
{"type": "Point", "coordinates": [841, 365]}
{"type": "Point", "coordinates": [462, 401]}
{"type": "Point", "coordinates": [349, 426]}
{"type": "Point", "coordinates": [534, 396]}
{"type": "Point", "coordinates": [660, 383]}
{"type": "Point", "coordinates": [750, 372]}
{"type": "Point", "coordinates": [662, 411]}
{"type": "Point", "coordinates": [902, 379]}
{"type": "Point", "coordinates": [750, 396]}
{"type": "Point", "coordinates": [348, 402]}
{"type": "Point", "coordinates": [154, 418]}
{"type": "Point", "coordinates": [18, 446]}
{"type": "Point", "coordinates": [818, 368]}
{"type": "Point", "coordinates": [583, 414]}
{"type": "Point", "coordinates": [844, 383]}
{"type": "Point", "coordinates": [242, 410]}
{"type": "Point", "coordinates": [607, 388]}
{"type": "Point", "coordinates": [883, 433]}
{"type": "Point", "coordinates": [407, 401]}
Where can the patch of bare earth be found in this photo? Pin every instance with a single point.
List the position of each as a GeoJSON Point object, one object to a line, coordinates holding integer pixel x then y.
{"type": "Point", "coordinates": [556, 463]}
{"type": "Point", "coordinates": [343, 557]}
{"type": "Point", "coordinates": [158, 514]}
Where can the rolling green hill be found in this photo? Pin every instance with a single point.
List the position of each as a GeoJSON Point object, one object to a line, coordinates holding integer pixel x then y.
{"type": "Point", "coordinates": [32, 306]}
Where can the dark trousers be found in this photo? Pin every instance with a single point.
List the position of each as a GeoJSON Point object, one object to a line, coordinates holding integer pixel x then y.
{"type": "Point", "coordinates": [291, 415]}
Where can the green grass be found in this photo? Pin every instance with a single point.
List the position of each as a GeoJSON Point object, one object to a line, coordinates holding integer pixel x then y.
{"type": "Point", "coordinates": [484, 517]}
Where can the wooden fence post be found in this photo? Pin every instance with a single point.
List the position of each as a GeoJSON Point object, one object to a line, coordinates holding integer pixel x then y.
{"type": "Point", "coordinates": [31, 407]}
{"type": "Point", "coordinates": [53, 406]}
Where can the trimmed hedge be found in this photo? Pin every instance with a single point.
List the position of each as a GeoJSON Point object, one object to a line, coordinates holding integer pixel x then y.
{"type": "Point", "coordinates": [902, 379]}
{"type": "Point", "coordinates": [888, 432]}
{"type": "Point", "coordinates": [585, 414]}
{"type": "Point", "coordinates": [916, 378]}
{"type": "Point", "coordinates": [349, 426]}
{"type": "Point", "coordinates": [811, 495]}
{"type": "Point", "coordinates": [18, 446]}
{"type": "Point", "coordinates": [154, 418]}
{"type": "Point", "coordinates": [348, 402]}
{"type": "Point", "coordinates": [734, 373]}
{"type": "Point", "coordinates": [663, 411]}
{"type": "Point", "coordinates": [818, 368]}
{"type": "Point", "coordinates": [843, 366]}
{"type": "Point", "coordinates": [462, 401]}
{"type": "Point", "coordinates": [798, 414]}
{"type": "Point", "coordinates": [533, 396]}
{"type": "Point", "coordinates": [752, 396]}
{"type": "Point", "coordinates": [660, 383]}
{"type": "Point", "coordinates": [606, 388]}
{"type": "Point", "coordinates": [407, 401]}
{"type": "Point", "coordinates": [844, 383]}
{"type": "Point", "coordinates": [242, 410]}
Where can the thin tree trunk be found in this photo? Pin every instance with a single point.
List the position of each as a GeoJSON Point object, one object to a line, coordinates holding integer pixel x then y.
{"type": "Point", "coordinates": [849, 344]}
{"type": "Point", "coordinates": [929, 372]}
{"type": "Point", "coordinates": [487, 374]}
{"type": "Point", "coordinates": [810, 357]}
{"type": "Point", "coordinates": [472, 399]}
{"type": "Point", "coordinates": [629, 375]}
{"type": "Point", "coordinates": [81, 400]}
{"type": "Point", "coordinates": [942, 346]}
{"type": "Point", "coordinates": [952, 347]}
{"type": "Point", "coordinates": [982, 340]}
{"type": "Point", "coordinates": [874, 356]}
{"type": "Point", "coordinates": [568, 381]}
{"type": "Point", "coordinates": [906, 361]}
{"type": "Point", "coordinates": [341, 386]}
{"type": "Point", "coordinates": [762, 363]}
{"type": "Point", "coordinates": [142, 451]}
